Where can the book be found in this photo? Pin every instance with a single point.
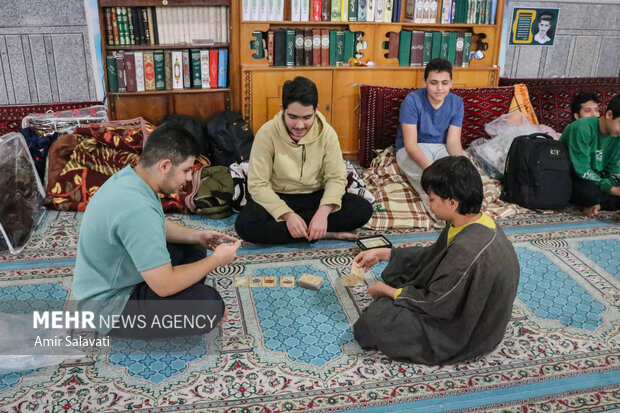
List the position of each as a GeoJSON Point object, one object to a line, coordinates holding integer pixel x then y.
{"type": "Point", "coordinates": [114, 20]}
{"type": "Point", "coordinates": [353, 5]}
{"type": "Point", "coordinates": [107, 13]}
{"type": "Point", "coordinates": [418, 13]}
{"type": "Point", "coordinates": [279, 49]}
{"type": "Point", "coordinates": [417, 48]}
{"type": "Point", "coordinates": [295, 10]}
{"type": "Point", "coordinates": [155, 31]}
{"type": "Point", "coordinates": [316, 10]}
{"type": "Point", "coordinates": [145, 26]}
{"type": "Point", "coordinates": [446, 12]}
{"type": "Point", "coordinates": [393, 45]}
{"type": "Point", "coordinates": [257, 45]}
{"type": "Point", "coordinates": [299, 47]}
{"type": "Point", "coordinates": [131, 37]}
{"type": "Point", "coordinates": [433, 13]}
{"type": "Point", "coordinates": [149, 70]}
{"type": "Point", "coordinates": [452, 47]}
{"type": "Point", "coordinates": [466, 48]}
{"type": "Point", "coordinates": [307, 47]}
{"type": "Point", "coordinates": [245, 10]}
{"type": "Point", "coordinates": [316, 47]}
{"type": "Point", "coordinates": [177, 69]}
{"type": "Point", "coordinates": [214, 66]}
{"type": "Point", "coordinates": [270, 46]}
{"type": "Point", "coordinates": [110, 62]}
{"type": "Point", "coordinates": [387, 10]}
{"type": "Point", "coordinates": [149, 14]}
{"type": "Point", "coordinates": [379, 4]}
{"type": "Point", "coordinates": [326, 10]}
{"type": "Point", "coordinates": [404, 48]}
{"type": "Point", "coordinates": [158, 59]}
{"type": "Point", "coordinates": [332, 47]}
{"type": "Point", "coordinates": [370, 10]}
{"type": "Point", "coordinates": [290, 47]}
{"type": "Point", "coordinates": [205, 74]}
{"type": "Point", "coordinates": [222, 76]}
{"type": "Point", "coordinates": [262, 10]}
{"type": "Point", "coordinates": [138, 28]}
{"type": "Point", "coordinates": [129, 65]}
{"type": "Point", "coordinates": [168, 69]}
{"type": "Point", "coordinates": [396, 10]}
{"type": "Point", "coordinates": [255, 12]}
{"type": "Point", "coordinates": [436, 49]}
{"type": "Point", "coordinates": [458, 53]}
{"type": "Point", "coordinates": [278, 11]}
{"type": "Point", "coordinates": [305, 10]}
{"type": "Point", "coordinates": [324, 47]}
{"type": "Point", "coordinates": [443, 53]}
{"type": "Point", "coordinates": [428, 46]}
{"type": "Point", "coordinates": [120, 26]}
{"type": "Point", "coordinates": [344, 10]}
{"type": "Point", "coordinates": [196, 69]}
{"type": "Point", "coordinates": [349, 45]}
{"type": "Point", "coordinates": [187, 77]}
{"type": "Point", "coordinates": [361, 10]}
{"type": "Point", "coordinates": [125, 26]}
{"type": "Point", "coordinates": [120, 72]}
{"type": "Point", "coordinates": [339, 47]}
{"type": "Point", "coordinates": [335, 10]}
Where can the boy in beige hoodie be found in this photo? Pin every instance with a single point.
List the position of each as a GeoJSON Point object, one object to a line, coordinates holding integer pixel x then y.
{"type": "Point", "coordinates": [297, 177]}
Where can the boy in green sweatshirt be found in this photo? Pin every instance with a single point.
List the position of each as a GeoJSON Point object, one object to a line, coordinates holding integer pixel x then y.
{"type": "Point", "coordinates": [297, 178]}
{"type": "Point", "coordinates": [594, 148]}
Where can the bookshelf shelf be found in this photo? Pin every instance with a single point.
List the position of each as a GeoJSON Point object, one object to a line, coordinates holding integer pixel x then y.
{"type": "Point", "coordinates": [150, 79]}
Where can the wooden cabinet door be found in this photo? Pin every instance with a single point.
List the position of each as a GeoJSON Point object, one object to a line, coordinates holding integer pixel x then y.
{"type": "Point", "coordinates": [345, 100]}
{"type": "Point", "coordinates": [200, 105]}
{"type": "Point", "coordinates": [151, 107]}
{"type": "Point", "coordinates": [262, 95]}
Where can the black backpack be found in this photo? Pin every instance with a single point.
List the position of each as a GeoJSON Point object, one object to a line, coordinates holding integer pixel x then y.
{"type": "Point", "coordinates": [537, 173]}
{"type": "Point", "coordinates": [193, 126]}
{"type": "Point", "coordinates": [230, 138]}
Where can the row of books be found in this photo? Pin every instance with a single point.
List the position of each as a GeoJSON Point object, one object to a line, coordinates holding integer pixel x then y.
{"type": "Point", "coordinates": [126, 26]}
{"type": "Point", "coordinates": [324, 10]}
{"type": "Point", "coordinates": [417, 48]}
{"type": "Point", "coordinates": [308, 47]}
{"type": "Point", "coordinates": [452, 11]}
{"type": "Point", "coordinates": [138, 71]}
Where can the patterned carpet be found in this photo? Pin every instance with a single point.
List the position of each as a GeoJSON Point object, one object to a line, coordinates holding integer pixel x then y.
{"type": "Point", "coordinates": [293, 349]}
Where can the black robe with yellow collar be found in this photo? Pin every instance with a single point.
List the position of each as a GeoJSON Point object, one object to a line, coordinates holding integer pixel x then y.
{"type": "Point", "coordinates": [456, 299]}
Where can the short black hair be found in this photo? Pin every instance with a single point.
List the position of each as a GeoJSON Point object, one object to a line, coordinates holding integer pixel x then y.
{"type": "Point", "coordinates": [614, 106]}
{"type": "Point", "coordinates": [455, 177]}
{"type": "Point", "coordinates": [301, 90]}
{"type": "Point", "coordinates": [169, 141]}
{"type": "Point", "coordinates": [581, 98]}
{"type": "Point", "coordinates": [547, 17]}
{"type": "Point", "coordinates": [438, 65]}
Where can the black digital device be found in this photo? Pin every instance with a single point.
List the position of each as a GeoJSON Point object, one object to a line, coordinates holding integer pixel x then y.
{"type": "Point", "coordinates": [376, 241]}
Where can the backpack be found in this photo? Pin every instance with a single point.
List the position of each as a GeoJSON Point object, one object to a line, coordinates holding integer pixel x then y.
{"type": "Point", "coordinates": [230, 138]}
{"type": "Point", "coordinates": [193, 126]}
{"type": "Point", "coordinates": [537, 174]}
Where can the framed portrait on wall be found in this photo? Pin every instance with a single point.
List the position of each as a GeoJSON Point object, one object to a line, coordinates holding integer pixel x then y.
{"type": "Point", "coordinates": [535, 27]}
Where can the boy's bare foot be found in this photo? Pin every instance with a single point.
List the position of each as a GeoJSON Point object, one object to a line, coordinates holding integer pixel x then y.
{"type": "Point", "coordinates": [616, 217]}
{"type": "Point", "coordinates": [592, 210]}
{"type": "Point", "coordinates": [224, 317]}
{"type": "Point", "coordinates": [347, 236]}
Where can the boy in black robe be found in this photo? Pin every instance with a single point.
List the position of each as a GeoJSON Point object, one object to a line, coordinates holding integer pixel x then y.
{"type": "Point", "coordinates": [450, 301]}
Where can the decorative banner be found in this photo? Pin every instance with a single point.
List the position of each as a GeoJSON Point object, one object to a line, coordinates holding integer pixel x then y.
{"type": "Point", "coordinates": [534, 27]}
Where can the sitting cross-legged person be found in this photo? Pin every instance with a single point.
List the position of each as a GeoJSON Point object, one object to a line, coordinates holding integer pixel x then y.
{"type": "Point", "coordinates": [450, 301]}
{"type": "Point", "coordinates": [297, 177]}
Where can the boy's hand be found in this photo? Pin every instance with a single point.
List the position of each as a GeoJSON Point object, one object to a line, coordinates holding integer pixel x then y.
{"type": "Point", "coordinates": [296, 225]}
{"type": "Point", "coordinates": [381, 289]}
{"type": "Point", "coordinates": [211, 239]}
{"type": "Point", "coordinates": [226, 253]}
{"type": "Point", "coordinates": [318, 224]}
{"type": "Point", "coordinates": [369, 258]}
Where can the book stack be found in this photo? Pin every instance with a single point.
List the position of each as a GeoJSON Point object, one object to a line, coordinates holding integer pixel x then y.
{"type": "Point", "coordinates": [138, 71]}
{"type": "Point", "coordinates": [417, 47]}
{"type": "Point", "coordinates": [308, 47]}
{"type": "Point", "coordinates": [127, 26]}
{"type": "Point", "coordinates": [452, 11]}
{"type": "Point", "coordinates": [323, 10]}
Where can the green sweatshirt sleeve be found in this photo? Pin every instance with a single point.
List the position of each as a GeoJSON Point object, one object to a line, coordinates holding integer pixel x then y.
{"type": "Point", "coordinates": [259, 176]}
{"type": "Point", "coordinates": [335, 172]}
{"type": "Point", "coordinates": [580, 145]}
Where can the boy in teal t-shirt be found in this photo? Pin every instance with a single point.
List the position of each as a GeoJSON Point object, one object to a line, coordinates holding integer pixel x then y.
{"type": "Point", "coordinates": [594, 148]}
{"type": "Point", "coordinates": [134, 264]}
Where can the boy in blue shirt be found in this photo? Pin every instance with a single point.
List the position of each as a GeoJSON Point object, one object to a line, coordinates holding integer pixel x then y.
{"type": "Point", "coordinates": [133, 263]}
{"type": "Point", "coordinates": [430, 124]}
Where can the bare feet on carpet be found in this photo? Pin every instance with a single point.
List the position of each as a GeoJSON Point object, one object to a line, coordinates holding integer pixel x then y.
{"type": "Point", "coordinates": [347, 236]}
{"type": "Point", "coordinates": [592, 210]}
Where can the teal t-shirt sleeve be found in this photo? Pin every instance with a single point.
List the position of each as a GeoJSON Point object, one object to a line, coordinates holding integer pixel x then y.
{"type": "Point", "coordinates": [143, 234]}
{"type": "Point", "coordinates": [458, 113]}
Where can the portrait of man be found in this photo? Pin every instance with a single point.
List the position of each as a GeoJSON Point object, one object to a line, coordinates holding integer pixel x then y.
{"type": "Point", "coordinates": [544, 29]}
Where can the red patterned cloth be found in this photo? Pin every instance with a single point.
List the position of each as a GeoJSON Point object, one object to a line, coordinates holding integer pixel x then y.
{"type": "Point", "coordinates": [11, 116]}
{"type": "Point", "coordinates": [551, 98]}
{"type": "Point", "coordinates": [380, 107]}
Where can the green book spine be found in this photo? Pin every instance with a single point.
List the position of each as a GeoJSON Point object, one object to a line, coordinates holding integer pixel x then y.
{"type": "Point", "coordinates": [445, 37]}
{"type": "Point", "coordinates": [332, 47]}
{"type": "Point", "coordinates": [160, 81]}
{"type": "Point", "coordinates": [428, 46]}
{"type": "Point", "coordinates": [195, 65]}
{"type": "Point", "coordinates": [335, 11]}
{"type": "Point", "coordinates": [353, 10]}
{"type": "Point", "coordinates": [466, 48]}
{"type": "Point", "coordinates": [120, 26]}
{"type": "Point", "coordinates": [125, 25]}
{"type": "Point", "coordinates": [436, 49]}
{"type": "Point", "coordinates": [290, 47]}
{"type": "Point", "coordinates": [110, 62]}
{"type": "Point", "coordinates": [404, 48]}
{"type": "Point", "coordinates": [349, 45]}
{"type": "Point", "coordinates": [339, 47]}
{"type": "Point", "coordinates": [452, 46]}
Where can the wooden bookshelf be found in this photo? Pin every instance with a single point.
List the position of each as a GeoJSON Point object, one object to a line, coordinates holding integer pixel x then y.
{"type": "Point", "coordinates": [154, 105]}
{"type": "Point", "coordinates": [261, 84]}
